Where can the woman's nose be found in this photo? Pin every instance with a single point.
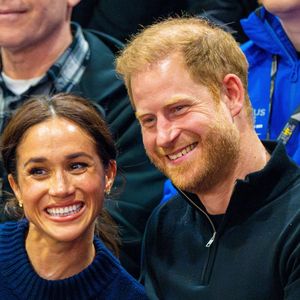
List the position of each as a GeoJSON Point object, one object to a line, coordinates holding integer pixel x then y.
{"type": "Point", "coordinates": [60, 185]}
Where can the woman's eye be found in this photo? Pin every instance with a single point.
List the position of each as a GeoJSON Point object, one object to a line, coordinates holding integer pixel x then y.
{"type": "Point", "coordinates": [78, 166]}
{"type": "Point", "coordinates": [37, 172]}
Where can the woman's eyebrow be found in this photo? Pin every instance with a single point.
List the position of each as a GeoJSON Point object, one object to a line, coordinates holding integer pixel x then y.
{"type": "Point", "coordinates": [41, 159]}
{"type": "Point", "coordinates": [78, 154]}
{"type": "Point", "coordinates": [38, 159]}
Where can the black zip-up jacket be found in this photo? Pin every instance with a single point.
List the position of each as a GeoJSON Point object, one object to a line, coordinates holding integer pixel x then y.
{"type": "Point", "coordinates": [254, 254]}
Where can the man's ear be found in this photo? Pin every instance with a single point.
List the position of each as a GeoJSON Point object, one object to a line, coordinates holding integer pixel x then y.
{"type": "Point", "coordinates": [233, 94]}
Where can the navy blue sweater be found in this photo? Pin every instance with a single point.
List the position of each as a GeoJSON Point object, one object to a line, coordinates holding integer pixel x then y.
{"type": "Point", "coordinates": [104, 278]}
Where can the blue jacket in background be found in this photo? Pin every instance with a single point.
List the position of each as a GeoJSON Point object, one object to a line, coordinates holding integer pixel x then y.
{"type": "Point", "coordinates": [267, 38]}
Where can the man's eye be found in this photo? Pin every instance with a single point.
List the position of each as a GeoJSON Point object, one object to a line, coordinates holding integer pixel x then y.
{"type": "Point", "coordinates": [179, 109]}
{"type": "Point", "coordinates": [147, 122]}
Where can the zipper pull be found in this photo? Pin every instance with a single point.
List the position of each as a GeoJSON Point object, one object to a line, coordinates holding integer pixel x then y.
{"type": "Point", "coordinates": [211, 240]}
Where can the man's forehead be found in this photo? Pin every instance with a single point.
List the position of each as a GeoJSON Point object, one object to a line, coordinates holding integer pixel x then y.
{"type": "Point", "coordinates": [162, 63]}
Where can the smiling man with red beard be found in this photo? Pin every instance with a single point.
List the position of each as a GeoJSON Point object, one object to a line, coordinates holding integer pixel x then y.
{"type": "Point", "coordinates": [233, 230]}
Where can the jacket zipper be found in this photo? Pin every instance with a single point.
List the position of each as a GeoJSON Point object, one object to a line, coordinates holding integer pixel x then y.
{"type": "Point", "coordinates": [206, 269]}
{"type": "Point", "coordinates": [212, 239]}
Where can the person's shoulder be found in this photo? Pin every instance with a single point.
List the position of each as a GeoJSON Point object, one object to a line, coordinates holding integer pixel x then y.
{"type": "Point", "coordinates": [99, 81]}
{"type": "Point", "coordinates": [175, 203]}
{"type": "Point", "coordinates": [8, 226]}
{"type": "Point", "coordinates": [100, 39]}
{"type": "Point", "coordinates": [122, 285]}
{"type": "Point", "coordinates": [165, 213]}
{"type": "Point", "coordinates": [255, 54]}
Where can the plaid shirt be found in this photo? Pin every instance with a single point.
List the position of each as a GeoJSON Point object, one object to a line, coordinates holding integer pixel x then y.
{"type": "Point", "coordinates": [63, 75]}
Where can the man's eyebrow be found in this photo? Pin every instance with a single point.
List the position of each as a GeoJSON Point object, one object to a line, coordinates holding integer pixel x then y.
{"type": "Point", "coordinates": [139, 115]}
{"type": "Point", "coordinates": [169, 102]}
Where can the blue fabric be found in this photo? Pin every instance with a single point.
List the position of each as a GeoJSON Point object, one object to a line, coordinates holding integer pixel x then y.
{"type": "Point", "coordinates": [267, 38]}
{"type": "Point", "coordinates": [169, 191]}
{"type": "Point", "coordinates": [104, 278]}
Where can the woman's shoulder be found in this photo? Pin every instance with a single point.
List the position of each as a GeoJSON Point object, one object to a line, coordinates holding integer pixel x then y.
{"type": "Point", "coordinates": [120, 284]}
{"type": "Point", "coordinates": [13, 227]}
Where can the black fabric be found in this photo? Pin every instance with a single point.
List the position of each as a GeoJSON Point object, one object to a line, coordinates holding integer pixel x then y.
{"type": "Point", "coordinates": [121, 18]}
{"type": "Point", "coordinates": [256, 250]}
{"type": "Point", "coordinates": [217, 220]}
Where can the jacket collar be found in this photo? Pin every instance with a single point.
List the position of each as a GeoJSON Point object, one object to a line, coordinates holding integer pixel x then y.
{"type": "Point", "coordinates": [261, 187]}
{"type": "Point", "coordinates": [265, 30]}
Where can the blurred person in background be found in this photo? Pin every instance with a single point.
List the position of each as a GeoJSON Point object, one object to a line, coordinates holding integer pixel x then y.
{"type": "Point", "coordinates": [273, 53]}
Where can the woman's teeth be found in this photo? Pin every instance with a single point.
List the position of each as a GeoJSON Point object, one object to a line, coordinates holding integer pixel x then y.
{"type": "Point", "coordinates": [64, 211]}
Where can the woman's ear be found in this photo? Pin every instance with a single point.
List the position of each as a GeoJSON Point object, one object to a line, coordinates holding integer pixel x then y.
{"type": "Point", "coordinates": [110, 175]}
{"type": "Point", "coordinates": [15, 187]}
{"type": "Point", "coordinates": [233, 94]}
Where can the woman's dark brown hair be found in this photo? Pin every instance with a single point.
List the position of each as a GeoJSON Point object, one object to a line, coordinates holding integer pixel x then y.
{"type": "Point", "coordinates": [82, 113]}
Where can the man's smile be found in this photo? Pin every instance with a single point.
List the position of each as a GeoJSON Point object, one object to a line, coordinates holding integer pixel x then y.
{"type": "Point", "coordinates": [182, 152]}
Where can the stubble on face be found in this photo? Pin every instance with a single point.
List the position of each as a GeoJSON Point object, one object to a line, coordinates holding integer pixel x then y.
{"type": "Point", "coordinates": [219, 156]}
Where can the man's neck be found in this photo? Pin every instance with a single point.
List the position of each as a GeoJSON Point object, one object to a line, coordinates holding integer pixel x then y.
{"type": "Point", "coordinates": [35, 60]}
{"type": "Point", "coordinates": [253, 157]}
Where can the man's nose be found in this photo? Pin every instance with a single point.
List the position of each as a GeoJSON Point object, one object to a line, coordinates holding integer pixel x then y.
{"type": "Point", "coordinates": [167, 132]}
{"type": "Point", "coordinates": [60, 185]}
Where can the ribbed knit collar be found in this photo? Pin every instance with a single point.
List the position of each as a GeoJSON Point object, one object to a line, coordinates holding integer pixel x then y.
{"type": "Point", "coordinates": [25, 282]}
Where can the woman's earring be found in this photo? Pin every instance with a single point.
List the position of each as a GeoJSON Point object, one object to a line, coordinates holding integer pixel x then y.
{"type": "Point", "coordinates": [107, 192]}
{"type": "Point", "coordinates": [20, 204]}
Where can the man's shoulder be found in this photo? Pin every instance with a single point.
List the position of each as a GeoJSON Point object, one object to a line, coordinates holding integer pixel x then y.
{"type": "Point", "coordinates": [103, 49]}
{"type": "Point", "coordinates": [100, 39]}
{"type": "Point", "coordinates": [99, 81]}
{"type": "Point", "coordinates": [165, 214]}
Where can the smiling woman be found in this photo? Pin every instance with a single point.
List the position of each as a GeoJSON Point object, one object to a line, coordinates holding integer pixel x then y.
{"type": "Point", "coordinates": [60, 157]}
